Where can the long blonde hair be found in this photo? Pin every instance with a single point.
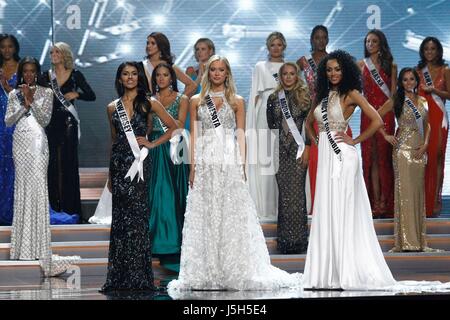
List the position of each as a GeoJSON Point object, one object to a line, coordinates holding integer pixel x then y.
{"type": "Point", "coordinates": [230, 87]}
{"type": "Point", "coordinates": [67, 54]}
{"type": "Point", "coordinates": [300, 90]}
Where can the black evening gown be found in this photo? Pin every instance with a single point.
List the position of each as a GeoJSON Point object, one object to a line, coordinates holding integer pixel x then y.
{"type": "Point", "coordinates": [62, 134]}
{"type": "Point", "coordinates": [292, 227]}
{"type": "Point", "coordinates": [130, 258]}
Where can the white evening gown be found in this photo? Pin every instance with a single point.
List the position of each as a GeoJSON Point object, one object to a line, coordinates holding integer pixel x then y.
{"type": "Point", "coordinates": [343, 250]}
{"type": "Point", "coordinates": [261, 180]}
{"type": "Point", "coordinates": [223, 243]}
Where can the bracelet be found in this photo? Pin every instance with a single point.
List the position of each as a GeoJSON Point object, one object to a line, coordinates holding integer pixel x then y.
{"type": "Point", "coordinates": [316, 140]}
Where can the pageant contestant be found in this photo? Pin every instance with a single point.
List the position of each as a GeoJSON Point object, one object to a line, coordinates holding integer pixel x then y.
{"type": "Point", "coordinates": [30, 108]}
{"type": "Point", "coordinates": [379, 75]}
{"type": "Point", "coordinates": [409, 157]}
{"type": "Point", "coordinates": [308, 65]}
{"type": "Point", "coordinates": [130, 258]}
{"type": "Point", "coordinates": [344, 252]}
{"type": "Point", "coordinates": [9, 60]}
{"type": "Point", "coordinates": [158, 51]}
{"type": "Point", "coordinates": [63, 131]}
{"type": "Point", "coordinates": [169, 174]}
{"type": "Point", "coordinates": [343, 249]}
{"type": "Point", "coordinates": [204, 48]}
{"type": "Point", "coordinates": [261, 177]}
{"type": "Point", "coordinates": [287, 109]}
{"type": "Point", "coordinates": [435, 87]}
{"type": "Point", "coordinates": [223, 244]}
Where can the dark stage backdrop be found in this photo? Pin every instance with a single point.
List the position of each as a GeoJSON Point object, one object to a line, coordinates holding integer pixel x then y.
{"type": "Point", "coordinates": [103, 33]}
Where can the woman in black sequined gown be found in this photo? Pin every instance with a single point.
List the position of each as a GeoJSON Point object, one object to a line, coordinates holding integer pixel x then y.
{"type": "Point", "coordinates": [292, 228]}
{"type": "Point", "coordinates": [130, 258]}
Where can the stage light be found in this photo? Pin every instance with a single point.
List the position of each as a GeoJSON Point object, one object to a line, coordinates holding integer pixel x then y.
{"type": "Point", "coordinates": [286, 26]}
{"type": "Point", "coordinates": [232, 56]}
{"type": "Point", "coordinates": [159, 19]}
{"type": "Point", "coordinates": [125, 48]}
{"type": "Point", "coordinates": [245, 4]}
{"type": "Point", "coordinates": [43, 2]}
{"type": "Point", "coordinates": [410, 10]}
{"type": "Point", "coordinates": [19, 32]}
{"type": "Point", "coordinates": [121, 3]}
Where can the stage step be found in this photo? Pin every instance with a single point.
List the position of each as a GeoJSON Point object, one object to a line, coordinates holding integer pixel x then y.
{"type": "Point", "coordinates": [414, 266]}
{"type": "Point", "coordinates": [99, 249]}
{"type": "Point", "coordinates": [95, 232]}
{"type": "Point", "coordinates": [93, 177]}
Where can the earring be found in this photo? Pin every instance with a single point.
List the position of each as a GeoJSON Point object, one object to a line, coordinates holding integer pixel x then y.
{"type": "Point", "coordinates": [157, 88]}
{"type": "Point", "coordinates": [170, 88]}
{"type": "Point", "coordinates": [226, 82]}
{"type": "Point", "coordinates": [35, 79]}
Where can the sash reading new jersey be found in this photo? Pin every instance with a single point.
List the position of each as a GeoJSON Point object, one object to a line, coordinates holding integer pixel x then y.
{"type": "Point", "coordinates": [377, 78]}
{"type": "Point", "coordinates": [417, 115]}
{"type": "Point", "coordinates": [436, 98]}
{"type": "Point", "coordinates": [220, 132]}
{"type": "Point", "coordinates": [290, 122]}
{"type": "Point", "coordinates": [139, 154]}
{"type": "Point", "coordinates": [327, 128]}
{"type": "Point", "coordinates": [64, 102]}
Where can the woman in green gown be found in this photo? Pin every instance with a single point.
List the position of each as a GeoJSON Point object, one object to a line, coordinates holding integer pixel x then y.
{"type": "Point", "coordinates": [168, 185]}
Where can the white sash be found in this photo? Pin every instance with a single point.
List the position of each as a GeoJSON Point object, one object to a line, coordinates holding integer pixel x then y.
{"type": "Point", "coordinates": [139, 154]}
{"type": "Point", "coordinates": [377, 78]}
{"type": "Point", "coordinates": [312, 64]}
{"type": "Point", "coordinates": [436, 98]}
{"type": "Point", "coordinates": [416, 113]}
{"type": "Point", "coordinates": [290, 122]}
{"type": "Point", "coordinates": [214, 117]}
{"type": "Point", "coordinates": [333, 143]}
{"type": "Point", "coordinates": [64, 102]}
{"type": "Point", "coordinates": [175, 141]}
{"type": "Point", "coordinates": [148, 69]}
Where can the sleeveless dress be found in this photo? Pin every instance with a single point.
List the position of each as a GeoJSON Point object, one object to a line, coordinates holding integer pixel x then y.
{"type": "Point", "coordinates": [223, 244]}
{"type": "Point", "coordinates": [377, 98]}
{"type": "Point", "coordinates": [343, 251]}
{"type": "Point", "coordinates": [409, 218]}
{"type": "Point", "coordinates": [6, 160]}
{"type": "Point", "coordinates": [129, 258]}
{"type": "Point", "coordinates": [167, 192]}
{"type": "Point", "coordinates": [438, 133]}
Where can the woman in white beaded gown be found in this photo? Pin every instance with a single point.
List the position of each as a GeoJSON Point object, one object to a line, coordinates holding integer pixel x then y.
{"type": "Point", "coordinates": [30, 108]}
{"type": "Point", "coordinates": [344, 252]}
{"type": "Point", "coordinates": [223, 244]}
{"type": "Point", "coordinates": [260, 162]}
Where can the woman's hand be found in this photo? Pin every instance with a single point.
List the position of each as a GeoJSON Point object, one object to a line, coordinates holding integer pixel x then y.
{"type": "Point", "coordinates": [28, 94]}
{"type": "Point", "coordinates": [420, 151]}
{"type": "Point", "coordinates": [391, 139]}
{"type": "Point", "coordinates": [343, 137]}
{"type": "Point", "coordinates": [71, 95]}
{"type": "Point", "coordinates": [143, 142]}
{"type": "Point", "coordinates": [191, 178]}
{"type": "Point", "coordinates": [304, 159]}
{"type": "Point", "coordinates": [109, 185]}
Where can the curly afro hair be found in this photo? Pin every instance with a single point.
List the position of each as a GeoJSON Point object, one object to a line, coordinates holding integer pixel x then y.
{"type": "Point", "coordinates": [351, 75]}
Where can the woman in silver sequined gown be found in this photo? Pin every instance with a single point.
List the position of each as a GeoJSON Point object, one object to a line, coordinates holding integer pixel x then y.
{"type": "Point", "coordinates": [223, 246]}
{"type": "Point", "coordinates": [30, 236]}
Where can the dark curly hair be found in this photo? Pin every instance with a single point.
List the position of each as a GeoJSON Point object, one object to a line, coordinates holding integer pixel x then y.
{"type": "Point", "coordinates": [140, 103]}
{"type": "Point", "coordinates": [30, 60]}
{"type": "Point", "coordinates": [423, 62]}
{"type": "Point", "coordinates": [351, 76]}
{"type": "Point", "coordinates": [399, 96]}
{"type": "Point", "coordinates": [173, 76]}
{"type": "Point", "coordinates": [16, 45]}
{"type": "Point", "coordinates": [385, 56]}
{"type": "Point", "coordinates": [163, 44]}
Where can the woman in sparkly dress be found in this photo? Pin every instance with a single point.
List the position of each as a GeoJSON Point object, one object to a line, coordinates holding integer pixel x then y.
{"type": "Point", "coordinates": [292, 227]}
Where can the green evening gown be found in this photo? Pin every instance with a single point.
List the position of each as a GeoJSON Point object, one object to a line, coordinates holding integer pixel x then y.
{"type": "Point", "coordinates": [167, 192]}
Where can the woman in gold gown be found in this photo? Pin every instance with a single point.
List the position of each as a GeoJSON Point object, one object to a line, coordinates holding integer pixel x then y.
{"type": "Point", "coordinates": [409, 159]}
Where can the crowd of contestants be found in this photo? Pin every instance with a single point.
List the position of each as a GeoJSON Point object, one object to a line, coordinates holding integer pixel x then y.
{"type": "Point", "coordinates": [403, 164]}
